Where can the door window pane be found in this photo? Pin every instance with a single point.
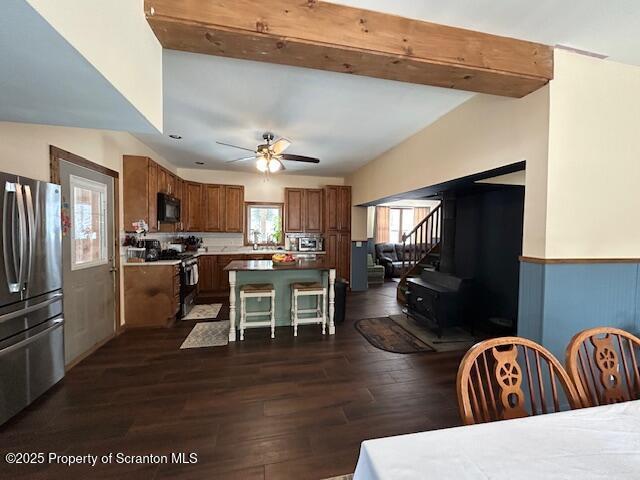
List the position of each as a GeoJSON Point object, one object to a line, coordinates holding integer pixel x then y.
{"type": "Point", "coordinates": [264, 224]}
{"type": "Point", "coordinates": [89, 225]}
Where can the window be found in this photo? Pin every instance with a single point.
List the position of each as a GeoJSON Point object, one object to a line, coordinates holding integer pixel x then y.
{"type": "Point", "coordinates": [400, 222]}
{"type": "Point", "coordinates": [89, 223]}
{"type": "Point", "coordinates": [264, 224]}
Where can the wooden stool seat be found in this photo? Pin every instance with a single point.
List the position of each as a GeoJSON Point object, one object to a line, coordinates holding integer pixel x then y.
{"type": "Point", "coordinates": [318, 315]}
{"type": "Point", "coordinates": [256, 287]}
{"type": "Point", "coordinates": [308, 286]}
{"type": "Point", "coordinates": [258, 291]}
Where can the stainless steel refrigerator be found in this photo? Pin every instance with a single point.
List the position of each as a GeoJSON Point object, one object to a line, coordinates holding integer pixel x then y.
{"type": "Point", "coordinates": [31, 322]}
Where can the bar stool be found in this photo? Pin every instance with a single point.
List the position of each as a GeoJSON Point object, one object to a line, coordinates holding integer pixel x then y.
{"type": "Point", "coordinates": [259, 291]}
{"type": "Point", "coordinates": [311, 289]}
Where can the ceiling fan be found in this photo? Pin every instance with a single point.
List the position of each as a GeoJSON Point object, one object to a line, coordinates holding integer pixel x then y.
{"type": "Point", "coordinates": [269, 155]}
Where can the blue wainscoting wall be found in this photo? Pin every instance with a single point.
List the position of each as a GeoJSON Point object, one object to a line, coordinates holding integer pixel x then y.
{"type": "Point", "coordinates": [557, 300]}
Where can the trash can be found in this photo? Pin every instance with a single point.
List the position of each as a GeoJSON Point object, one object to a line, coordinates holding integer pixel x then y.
{"type": "Point", "coordinates": [341, 300]}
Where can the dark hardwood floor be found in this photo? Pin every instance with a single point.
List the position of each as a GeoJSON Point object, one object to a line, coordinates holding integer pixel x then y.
{"type": "Point", "coordinates": [282, 409]}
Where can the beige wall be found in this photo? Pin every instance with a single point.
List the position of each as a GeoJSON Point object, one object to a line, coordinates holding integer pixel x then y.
{"type": "Point", "coordinates": [24, 150]}
{"type": "Point", "coordinates": [116, 39]}
{"type": "Point", "coordinates": [594, 159]}
{"type": "Point", "coordinates": [483, 133]}
{"type": "Point", "coordinates": [256, 187]}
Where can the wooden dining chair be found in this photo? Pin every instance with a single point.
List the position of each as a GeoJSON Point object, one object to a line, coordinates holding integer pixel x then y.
{"type": "Point", "coordinates": [602, 364]}
{"type": "Point", "coordinates": [511, 377]}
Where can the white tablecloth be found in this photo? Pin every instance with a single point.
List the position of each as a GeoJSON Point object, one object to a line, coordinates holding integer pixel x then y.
{"type": "Point", "coordinates": [601, 442]}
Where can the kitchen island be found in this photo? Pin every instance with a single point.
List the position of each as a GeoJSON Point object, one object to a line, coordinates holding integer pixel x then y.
{"type": "Point", "coordinates": [243, 272]}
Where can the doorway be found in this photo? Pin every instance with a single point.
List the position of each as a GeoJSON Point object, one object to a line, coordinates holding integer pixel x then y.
{"type": "Point", "coordinates": [89, 253]}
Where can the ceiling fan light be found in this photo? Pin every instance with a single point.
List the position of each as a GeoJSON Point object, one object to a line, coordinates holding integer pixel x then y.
{"type": "Point", "coordinates": [274, 165]}
{"type": "Point", "coordinates": [262, 164]}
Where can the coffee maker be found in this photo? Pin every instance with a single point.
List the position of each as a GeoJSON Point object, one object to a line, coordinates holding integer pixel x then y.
{"type": "Point", "coordinates": [152, 250]}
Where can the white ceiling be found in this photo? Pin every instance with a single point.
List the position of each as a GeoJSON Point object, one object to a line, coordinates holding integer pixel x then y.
{"type": "Point", "coordinates": [342, 119]}
{"type": "Point", "coordinates": [43, 79]}
{"type": "Point", "coordinates": [610, 28]}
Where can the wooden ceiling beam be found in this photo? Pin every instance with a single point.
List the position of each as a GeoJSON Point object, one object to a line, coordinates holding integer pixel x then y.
{"type": "Point", "coordinates": [327, 36]}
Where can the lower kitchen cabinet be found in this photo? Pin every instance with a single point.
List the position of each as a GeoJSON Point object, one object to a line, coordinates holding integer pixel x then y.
{"type": "Point", "coordinates": [151, 295]}
{"type": "Point", "coordinates": [213, 279]}
{"type": "Point", "coordinates": [338, 248]}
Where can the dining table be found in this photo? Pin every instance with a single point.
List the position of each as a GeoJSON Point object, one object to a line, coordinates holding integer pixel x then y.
{"type": "Point", "coordinates": [598, 442]}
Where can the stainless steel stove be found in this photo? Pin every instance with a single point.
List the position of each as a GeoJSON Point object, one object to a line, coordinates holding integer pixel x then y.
{"type": "Point", "coordinates": [188, 277]}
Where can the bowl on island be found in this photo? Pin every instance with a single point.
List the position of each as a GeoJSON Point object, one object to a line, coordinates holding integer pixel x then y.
{"type": "Point", "coordinates": [283, 259]}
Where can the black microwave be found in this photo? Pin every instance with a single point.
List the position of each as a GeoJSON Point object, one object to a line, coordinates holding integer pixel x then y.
{"type": "Point", "coordinates": [168, 208]}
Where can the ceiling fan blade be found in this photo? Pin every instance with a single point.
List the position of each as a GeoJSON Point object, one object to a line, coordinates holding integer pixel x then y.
{"type": "Point", "coordinates": [235, 146]}
{"type": "Point", "coordinates": [280, 145]}
{"type": "Point", "coordinates": [242, 159]}
{"type": "Point", "coordinates": [299, 158]}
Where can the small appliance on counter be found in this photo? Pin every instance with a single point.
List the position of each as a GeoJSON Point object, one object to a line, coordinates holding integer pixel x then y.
{"type": "Point", "coordinates": [291, 244]}
{"type": "Point", "coordinates": [178, 247]}
{"type": "Point", "coordinates": [153, 249]}
{"type": "Point", "coordinates": [310, 244]}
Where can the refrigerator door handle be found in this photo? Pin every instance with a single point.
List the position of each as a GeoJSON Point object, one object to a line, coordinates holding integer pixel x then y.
{"type": "Point", "coordinates": [30, 309]}
{"type": "Point", "coordinates": [10, 256]}
{"type": "Point", "coordinates": [32, 227]}
{"type": "Point", "coordinates": [57, 323]}
{"type": "Point", "coordinates": [23, 234]}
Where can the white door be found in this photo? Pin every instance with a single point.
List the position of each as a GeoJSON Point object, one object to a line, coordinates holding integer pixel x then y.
{"type": "Point", "coordinates": [87, 258]}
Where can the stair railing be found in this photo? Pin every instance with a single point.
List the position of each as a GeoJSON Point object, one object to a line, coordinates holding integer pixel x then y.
{"type": "Point", "coordinates": [421, 241]}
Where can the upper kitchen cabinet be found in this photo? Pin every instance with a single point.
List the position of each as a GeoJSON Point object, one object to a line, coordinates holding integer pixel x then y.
{"type": "Point", "coordinates": [214, 208]}
{"type": "Point", "coordinates": [337, 207]}
{"type": "Point", "coordinates": [303, 210]}
{"type": "Point", "coordinates": [234, 208]}
{"type": "Point", "coordinates": [193, 206]}
{"type": "Point", "coordinates": [293, 210]}
{"type": "Point", "coordinates": [140, 192]}
{"type": "Point", "coordinates": [167, 182]}
{"type": "Point", "coordinates": [313, 210]}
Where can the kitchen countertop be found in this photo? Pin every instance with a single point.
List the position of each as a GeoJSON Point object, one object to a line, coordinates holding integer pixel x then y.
{"type": "Point", "coordinates": [267, 266]}
{"type": "Point", "coordinates": [158, 263]}
{"type": "Point", "coordinates": [249, 251]}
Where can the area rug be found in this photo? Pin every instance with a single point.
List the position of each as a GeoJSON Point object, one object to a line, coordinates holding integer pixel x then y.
{"type": "Point", "coordinates": [452, 339]}
{"type": "Point", "coordinates": [208, 334]}
{"type": "Point", "coordinates": [201, 312]}
{"type": "Point", "coordinates": [385, 334]}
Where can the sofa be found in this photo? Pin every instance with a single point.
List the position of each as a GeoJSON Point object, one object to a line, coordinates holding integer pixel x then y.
{"type": "Point", "coordinates": [390, 255]}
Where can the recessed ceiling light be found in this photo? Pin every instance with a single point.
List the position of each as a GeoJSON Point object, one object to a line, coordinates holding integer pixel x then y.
{"type": "Point", "coordinates": [175, 137]}
{"type": "Point", "coordinates": [199, 163]}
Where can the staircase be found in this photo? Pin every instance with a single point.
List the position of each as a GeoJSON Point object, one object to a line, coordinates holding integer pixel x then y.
{"type": "Point", "coordinates": [421, 248]}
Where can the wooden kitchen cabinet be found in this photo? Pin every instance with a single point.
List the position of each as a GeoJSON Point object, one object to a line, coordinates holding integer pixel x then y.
{"type": "Point", "coordinates": [337, 207]}
{"type": "Point", "coordinates": [207, 283]}
{"type": "Point", "coordinates": [233, 208]}
{"type": "Point", "coordinates": [151, 295]}
{"type": "Point", "coordinates": [293, 208]}
{"type": "Point", "coordinates": [337, 233]}
{"type": "Point", "coordinates": [193, 206]}
{"type": "Point", "coordinates": [338, 248]}
{"type": "Point", "coordinates": [214, 208]}
{"type": "Point", "coordinates": [140, 192]}
{"type": "Point", "coordinates": [313, 210]}
{"type": "Point", "coordinates": [303, 210]}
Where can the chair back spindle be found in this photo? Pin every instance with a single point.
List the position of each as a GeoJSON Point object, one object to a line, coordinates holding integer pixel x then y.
{"type": "Point", "coordinates": [511, 377]}
{"type": "Point", "coordinates": [602, 363]}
